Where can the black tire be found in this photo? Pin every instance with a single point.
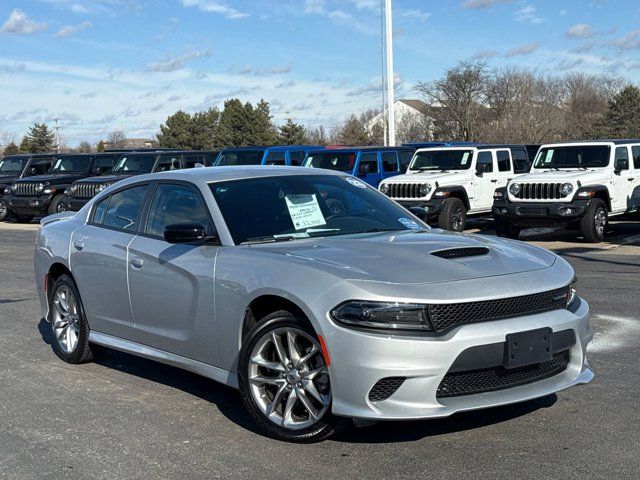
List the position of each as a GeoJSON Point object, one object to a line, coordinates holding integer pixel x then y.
{"type": "Point", "coordinates": [594, 222]}
{"type": "Point", "coordinates": [4, 210]}
{"type": "Point", "coordinates": [506, 229]}
{"type": "Point", "coordinates": [84, 351]}
{"type": "Point", "coordinates": [23, 218]}
{"type": "Point", "coordinates": [57, 204]}
{"type": "Point", "coordinates": [324, 427]}
{"type": "Point", "coordinates": [453, 216]}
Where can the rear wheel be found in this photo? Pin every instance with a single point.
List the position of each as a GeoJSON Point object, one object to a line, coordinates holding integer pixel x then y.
{"type": "Point", "coordinates": [4, 211]}
{"type": "Point", "coordinates": [69, 324]}
{"type": "Point", "coordinates": [594, 222]}
{"type": "Point", "coordinates": [453, 216]}
{"type": "Point", "coordinates": [284, 382]}
{"type": "Point", "coordinates": [505, 228]}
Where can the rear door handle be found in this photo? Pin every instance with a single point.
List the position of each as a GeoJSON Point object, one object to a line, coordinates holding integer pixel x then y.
{"type": "Point", "coordinates": [136, 262]}
{"type": "Point", "coordinates": [78, 245]}
{"type": "Point", "coordinates": [631, 179]}
{"type": "Point", "coordinates": [494, 180]}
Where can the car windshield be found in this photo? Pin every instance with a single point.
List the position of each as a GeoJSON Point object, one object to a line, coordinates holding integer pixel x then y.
{"type": "Point", "coordinates": [71, 164]}
{"type": "Point", "coordinates": [134, 164]}
{"type": "Point", "coordinates": [12, 164]}
{"type": "Point", "coordinates": [244, 157]}
{"type": "Point", "coordinates": [445, 159]}
{"type": "Point", "coordinates": [574, 156]}
{"type": "Point", "coordinates": [341, 161]}
{"type": "Point", "coordinates": [272, 209]}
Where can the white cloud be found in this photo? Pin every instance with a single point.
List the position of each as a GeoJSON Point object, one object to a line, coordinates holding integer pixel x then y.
{"type": "Point", "coordinates": [19, 24]}
{"type": "Point", "coordinates": [482, 3]}
{"type": "Point", "coordinates": [527, 49]}
{"type": "Point", "coordinates": [171, 64]}
{"type": "Point", "coordinates": [630, 41]}
{"type": "Point", "coordinates": [68, 30]}
{"type": "Point", "coordinates": [214, 6]}
{"type": "Point", "coordinates": [315, 6]}
{"type": "Point", "coordinates": [528, 14]}
{"type": "Point", "coordinates": [580, 30]}
{"type": "Point", "coordinates": [415, 14]}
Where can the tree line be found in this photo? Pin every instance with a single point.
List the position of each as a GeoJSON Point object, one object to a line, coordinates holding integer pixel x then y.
{"type": "Point", "coordinates": [469, 102]}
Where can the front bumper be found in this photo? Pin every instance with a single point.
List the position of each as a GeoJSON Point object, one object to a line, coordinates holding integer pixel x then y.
{"type": "Point", "coordinates": [29, 204]}
{"type": "Point", "coordinates": [525, 214]}
{"type": "Point", "coordinates": [359, 360]}
{"type": "Point", "coordinates": [432, 207]}
{"type": "Point", "coordinates": [74, 204]}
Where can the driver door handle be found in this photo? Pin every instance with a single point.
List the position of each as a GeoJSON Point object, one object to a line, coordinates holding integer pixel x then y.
{"type": "Point", "coordinates": [136, 262]}
{"type": "Point", "coordinates": [494, 180]}
{"type": "Point", "coordinates": [630, 179]}
{"type": "Point", "coordinates": [78, 245]}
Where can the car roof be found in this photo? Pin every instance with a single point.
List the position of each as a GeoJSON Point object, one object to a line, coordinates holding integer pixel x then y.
{"type": "Point", "coordinates": [615, 141]}
{"type": "Point", "coordinates": [362, 149]}
{"type": "Point", "coordinates": [273, 147]}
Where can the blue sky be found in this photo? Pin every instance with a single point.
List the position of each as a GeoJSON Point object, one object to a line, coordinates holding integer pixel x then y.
{"type": "Point", "coordinates": [97, 65]}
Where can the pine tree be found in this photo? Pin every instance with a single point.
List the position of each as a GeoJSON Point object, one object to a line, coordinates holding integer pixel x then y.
{"type": "Point", "coordinates": [235, 127]}
{"type": "Point", "coordinates": [100, 146]}
{"type": "Point", "coordinates": [622, 119]}
{"type": "Point", "coordinates": [177, 131]}
{"type": "Point", "coordinates": [39, 139]}
{"type": "Point", "coordinates": [204, 130]}
{"type": "Point", "coordinates": [353, 132]}
{"type": "Point", "coordinates": [11, 149]}
{"type": "Point", "coordinates": [25, 146]}
{"type": "Point", "coordinates": [291, 133]}
{"type": "Point", "coordinates": [265, 130]}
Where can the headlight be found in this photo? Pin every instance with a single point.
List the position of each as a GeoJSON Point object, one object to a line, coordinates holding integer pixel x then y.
{"type": "Point", "coordinates": [384, 188]}
{"type": "Point", "coordinates": [383, 315]}
{"type": "Point", "coordinates": [566, 189]}
{"type": "Point", "coordinates": [425, 189]}
{"type": "Point", "coordinates": [73, 188]}
{"type": "Point", "coordinates": [101, 187]}
{"type": "Point", "coordinates": [40, 187]}
{"type": "Point", "coordinates": [8, 190]}
{"type": "Point", "coordinates": [514, 189]}
{"type": "Point", "coordinates": [573, 295]}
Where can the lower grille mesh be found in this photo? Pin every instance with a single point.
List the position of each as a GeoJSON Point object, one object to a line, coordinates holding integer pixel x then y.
{"type": "Point", "coordinates": [384, 388]}
{"type": "Point", "coordinates": [498, 378]}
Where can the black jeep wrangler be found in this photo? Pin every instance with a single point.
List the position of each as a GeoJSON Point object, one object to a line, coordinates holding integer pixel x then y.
{"type": "Point", "coordinates": [15, 167]}
{"type": "Point", "coordinates": [44, 194]}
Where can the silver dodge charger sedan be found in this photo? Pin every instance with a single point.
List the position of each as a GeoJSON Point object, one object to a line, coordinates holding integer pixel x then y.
{"type": "Point", "coordinates": [317, 297]}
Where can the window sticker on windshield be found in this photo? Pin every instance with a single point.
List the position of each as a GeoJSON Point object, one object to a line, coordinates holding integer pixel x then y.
{"type": "Point", "coordinates": [407, 222]}
{"type": "Point", "coordinates": [465, 158]}
{"type": "Point", "coordinates": [304, 211]}
{"type": "Point", "coordinates": [356, 183]}
{"type": "Point", "coordinates": [549, 156]}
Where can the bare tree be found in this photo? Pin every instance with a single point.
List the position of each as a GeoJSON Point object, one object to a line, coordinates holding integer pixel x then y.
{"type": "Point", "coordinates": [84, 147]}
{"type": "Point", "coordinates": [460, 98]}
{"type": "Point", "coordinates": [117, 139]}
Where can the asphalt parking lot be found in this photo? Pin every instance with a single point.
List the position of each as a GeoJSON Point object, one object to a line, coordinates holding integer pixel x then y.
{"type": "Point", "coordinates": [126, 417]}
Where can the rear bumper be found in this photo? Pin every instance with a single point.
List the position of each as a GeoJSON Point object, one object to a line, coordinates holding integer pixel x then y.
{"type": "Point", "coordinates": [28, 204]}
{"type": "Point", "coordinates": [526, 214]}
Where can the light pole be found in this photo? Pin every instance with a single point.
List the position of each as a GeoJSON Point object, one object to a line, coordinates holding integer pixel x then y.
{"type": "Point", "coordinates": [390, 97]}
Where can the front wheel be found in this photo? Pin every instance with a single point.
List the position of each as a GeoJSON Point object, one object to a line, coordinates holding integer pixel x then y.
{"type": "Point", "coordinates": [4, 211]}
{"type": "Point", "coordinates": [57, 205]}
{"type": "Point", "coordinates": [594, 222]}
{"type": "Point", "coordinates": [453, 216]}
{"type": "Point", "coordinates": [284, 382]}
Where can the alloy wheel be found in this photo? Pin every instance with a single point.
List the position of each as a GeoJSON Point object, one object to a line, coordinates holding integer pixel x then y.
{"type": "Point", "coordinates": [288, 378]}
{"type": "Point", "coordinates": [66, 319]}
{"type": "Point", "coordinates": [457, 220]}
{"type": "Point", "coordinates": [3, 209]}
{"type": "Point", "coordinates": [600, 221]}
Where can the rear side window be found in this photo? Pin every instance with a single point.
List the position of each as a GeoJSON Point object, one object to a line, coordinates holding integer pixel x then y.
{"type": "Point", "coordinates": [296, 157]}
{"type": "Point", "coordinates": [175, 204]}
{"type": "Point", "coordinates": [121, 211]}
{"type": "Point", "coordinates": [275, 158]}
{"type": "Point", "coordinates": [486, 160]}
{"type": "Point", "coordinates": [635, 152]}
{"type": "Point", "coordinates": [389, 162]}
{"type": "Point", "coordinates": [368, 163]}
{"type": "Point", "coordinates": [504, 162]}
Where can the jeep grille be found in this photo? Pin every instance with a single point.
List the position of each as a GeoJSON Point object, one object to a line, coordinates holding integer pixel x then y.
{"type": "Point", "coordinates": [540, 191]}
{"type": "Point", "coordinates": [26, 188]}
{"type": "Point", "coordinates": [404, 190]}
{"type": "Point", "coordinates": [85, 190]}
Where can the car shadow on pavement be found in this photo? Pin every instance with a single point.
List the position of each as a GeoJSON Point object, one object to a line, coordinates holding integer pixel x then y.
{"type": "Point", "coordinates": [408, 431]}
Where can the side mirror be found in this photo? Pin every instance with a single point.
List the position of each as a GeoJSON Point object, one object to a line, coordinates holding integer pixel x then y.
{"type": "Point", "coordinates": [185, 233]}
{"type": "Point", "coordinates": [99, 170]}
{"type": "Point", "coordinates": [33, 171]}
{"type": "Point", "coordinates": [621, 164]}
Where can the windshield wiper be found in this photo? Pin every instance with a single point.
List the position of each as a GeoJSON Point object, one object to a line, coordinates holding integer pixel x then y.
{"type": "Point", "coordinates": [271, 239]}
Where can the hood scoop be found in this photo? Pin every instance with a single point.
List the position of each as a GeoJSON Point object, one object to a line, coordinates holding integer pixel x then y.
{"type": "Point", "coordinates": [461, 252]}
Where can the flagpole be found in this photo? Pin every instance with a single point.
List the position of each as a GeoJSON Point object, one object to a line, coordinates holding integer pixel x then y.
{"type": "Point", "coordinates": [390, 95]}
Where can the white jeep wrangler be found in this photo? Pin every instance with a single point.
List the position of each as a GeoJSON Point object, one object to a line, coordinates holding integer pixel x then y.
{"type": "Point", "coordinates": [449, 183]}
{"type": "Point", "coordinates": [577, 185]}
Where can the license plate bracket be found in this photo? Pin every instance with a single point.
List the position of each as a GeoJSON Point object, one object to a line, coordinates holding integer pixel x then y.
{"type": "Point", "coordinates": [528, 348]}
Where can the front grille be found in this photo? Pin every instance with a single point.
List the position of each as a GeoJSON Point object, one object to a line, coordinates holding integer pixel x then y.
{"type": "Point", "coordinates": [384, 388]}
{"type": "Point", "coordinates": [461, 252]}
{"type": "Point", "coordinates": [499, 378]}
{"type": "Point", "coordinates": [84, 190]}
{"type": "Point", "coordinates": [404, 190]}
{"type": "Point", "coordinates": [540, 191]}
{"type": "Point", "coordinates": [447, 315]}
{"type": "Point", "coordinates": [26, 188]}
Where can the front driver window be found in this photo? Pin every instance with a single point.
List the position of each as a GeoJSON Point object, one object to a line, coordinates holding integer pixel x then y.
{"type": "Point", "coordinates": [176, 204]}
{"type": "Point", "coordinates": [121, 210]}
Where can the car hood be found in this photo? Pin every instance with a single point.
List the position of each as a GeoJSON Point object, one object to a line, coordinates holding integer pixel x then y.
{"type": "Point", "coordinates": [562, 176]}
{"type": "Point", "coordinates": [54, 179]}
{"type": "Point", "coordinates": [406, 257]}
{"type": "Point", "coordinates": [431, 177]}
